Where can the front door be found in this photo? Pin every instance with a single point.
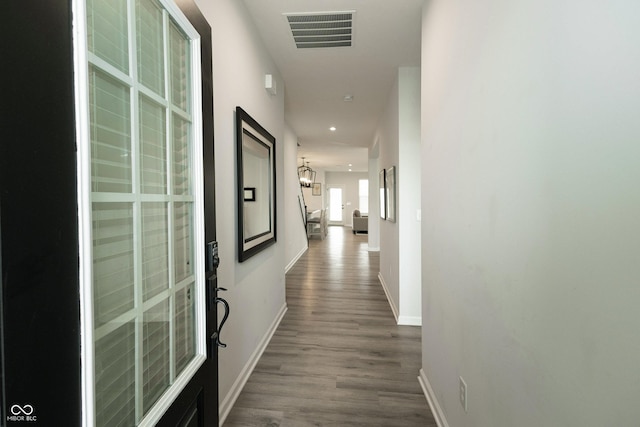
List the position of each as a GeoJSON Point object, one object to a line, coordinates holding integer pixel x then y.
{"type": "Point", "coordinates": [144, 112]}
{"type": "Point", "coordinates": [123, 340]}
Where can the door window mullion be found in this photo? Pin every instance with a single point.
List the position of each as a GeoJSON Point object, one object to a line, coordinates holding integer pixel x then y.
{"type": "Point", "coordinates": [137, 210]}
{"type": "Point", "coordinates": [170, 205]}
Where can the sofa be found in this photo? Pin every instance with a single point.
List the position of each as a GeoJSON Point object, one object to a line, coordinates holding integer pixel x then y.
{"type": "Point", "coordinates": [360, 222]}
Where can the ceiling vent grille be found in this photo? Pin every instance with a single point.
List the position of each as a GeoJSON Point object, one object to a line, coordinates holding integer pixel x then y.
{"type": "Point", "coordinates": [326, 29]}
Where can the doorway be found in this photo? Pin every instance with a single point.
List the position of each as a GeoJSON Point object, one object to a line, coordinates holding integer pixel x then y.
{"type": "Point", "coordinates": [336, 205]}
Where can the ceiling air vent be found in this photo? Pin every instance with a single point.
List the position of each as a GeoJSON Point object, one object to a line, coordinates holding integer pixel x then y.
{"type": "Point", "coordinates": [326, 29]}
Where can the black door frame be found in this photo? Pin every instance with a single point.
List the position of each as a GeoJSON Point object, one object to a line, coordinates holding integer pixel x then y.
{"type": "Point", "coordinates": [40, 283]}
{"type": "Point", "coordinates": [40, 375]}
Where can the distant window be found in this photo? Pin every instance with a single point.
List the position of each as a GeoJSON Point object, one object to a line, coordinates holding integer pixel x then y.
{"type": "Point", "coordinates": [363, 192]}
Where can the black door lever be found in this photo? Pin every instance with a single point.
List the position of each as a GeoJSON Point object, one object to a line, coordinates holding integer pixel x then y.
{"type": "Point", "coordinates": [216, 334]}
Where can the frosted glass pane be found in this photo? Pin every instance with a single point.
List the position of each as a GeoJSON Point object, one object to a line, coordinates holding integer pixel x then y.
{"type": "Point", "coordinates": [183, 241]}
{"type": "Point", "coordinates": [107, 32]}
{"type": "Point", "coordinates": [179, 63]}
{"type": "Point", "coordinates": [113, 263]}
{"type": "Point", "coordinates": [150, 47]}
{"type": "Point", "coordinates": [156, 353]}
{"type": "Point", "coordinates": [115, 378]}
{"type": "Point", "coordinates": [110, 125]}
{"type": "Point", "coordinates": [181, 156]}
{"type": "Point", "coordinates": [153, 147]}
{"type": "Point", "coordinates": [155, 249]}
{"type": "Point", "coordinates": [184, 327]}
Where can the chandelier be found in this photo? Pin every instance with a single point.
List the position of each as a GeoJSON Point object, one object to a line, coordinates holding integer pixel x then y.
{"type": "Point", "coordinates": [306, 174]}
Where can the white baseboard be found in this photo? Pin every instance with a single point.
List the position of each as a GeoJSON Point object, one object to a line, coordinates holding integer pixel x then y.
{"type": "Point", "coordinates": [386, 292]}
{"type": "Point", "coordinates": [373, 249]}
{"type": "Point", "coordinates": [231, 397]}
{"type": "Point", "coordinates": [410, 320]}
{"type": "Point", "coordinates": [438, 414]}
{"type": "Point", "coordinates": [295, 259]}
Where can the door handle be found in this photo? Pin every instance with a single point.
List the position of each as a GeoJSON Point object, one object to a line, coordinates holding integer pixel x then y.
{"type": "Point", "coordinates": [216, 335]}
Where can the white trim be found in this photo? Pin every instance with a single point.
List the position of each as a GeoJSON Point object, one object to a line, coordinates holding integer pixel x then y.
{"type": "Point", "coordinates": [169, 396]}
{"type": "Point", "coordinates": [400, 319]}
{"type": "Point", "coordinates": [386, 292]}
{"type": "Point", "coordinates": [198, 194]}
{"type": "Point", "coordinates": [109, 69]}
{"type": "Point", "coordinates": [373, 248]}
{"type": "Point", "coordinates": [136, 207]}
{"type": "Point", "coordinates": [410, 320]}
{"type": "Point", "coordinates": [238, 385]}
{"type": "Point", "coordinates": [436, 409]}
{"type": "Point", "coordinates": [295, 259]}
{"type": "Point", "coordinates": [85, 249]}
{"type": "Point", "coordinates": [182, 21]}
{"type": "Point", "coordinates": [131, 198]}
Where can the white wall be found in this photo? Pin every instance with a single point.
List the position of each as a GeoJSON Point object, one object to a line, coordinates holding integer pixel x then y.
{"type": "Point", "coordinates": [408, 196]}
{"type": "Point", "coordinates": [387, 139]}
{"type": "Point", "coordinates": [398, 145]}
{"type": "Point", "coordinates": [351, 196]}
{"type": "Point", "coordinates": [256, 287]}
{"type": "Point", "coordinates": [295, 233]}
{"type": "Point", "coordinates": [530, 211]}
{"type": "Point", "coordinates": [373, 236]}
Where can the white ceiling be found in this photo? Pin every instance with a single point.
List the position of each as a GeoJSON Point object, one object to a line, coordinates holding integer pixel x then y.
{"type": "Point", "coordinates": [386, 36]}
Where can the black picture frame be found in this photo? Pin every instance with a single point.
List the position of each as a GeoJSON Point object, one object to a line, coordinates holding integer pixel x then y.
{"type": "Point", "coordinates": [390, 185]}
{"type": "Point", "coordinates": [249, 194]}
{"type": "Point", "coordinates": [382, 184]}
{"type": "Point", "coordinates": [256, 172]}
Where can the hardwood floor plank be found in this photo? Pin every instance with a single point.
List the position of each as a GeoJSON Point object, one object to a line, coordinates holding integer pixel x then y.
{"type": "Point", "coordinates": [258, 417]}
{"type": "Point", "coordinates": [338, 358]}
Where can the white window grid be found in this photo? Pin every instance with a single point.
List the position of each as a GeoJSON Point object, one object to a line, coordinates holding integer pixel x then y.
{"type": "Point", "coordinates": [83, 60]}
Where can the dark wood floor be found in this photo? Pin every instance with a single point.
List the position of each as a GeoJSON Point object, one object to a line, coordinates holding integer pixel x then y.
{"type": "Point", "coordinates": [338, 358]}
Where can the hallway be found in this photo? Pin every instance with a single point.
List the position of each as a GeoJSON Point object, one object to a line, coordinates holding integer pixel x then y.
{"type": "Point", "coordinates": [338, 358]}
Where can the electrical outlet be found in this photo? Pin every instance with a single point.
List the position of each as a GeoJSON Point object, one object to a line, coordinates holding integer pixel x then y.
{"type": "Point", "coordinates": [463, 394]}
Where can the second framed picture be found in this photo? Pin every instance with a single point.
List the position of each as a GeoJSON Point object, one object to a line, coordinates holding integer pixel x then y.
{"type": "Point", "coordinates": [391, 194]}
{"type": "Point", "coordinates": [382, 182]}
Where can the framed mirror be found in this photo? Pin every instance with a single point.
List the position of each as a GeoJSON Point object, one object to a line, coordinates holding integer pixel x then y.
{"type": "Point", "coordinates": [256, 195]}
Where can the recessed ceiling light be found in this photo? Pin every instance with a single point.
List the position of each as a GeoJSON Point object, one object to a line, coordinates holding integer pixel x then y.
{"type": "Point", "coordinates": [348, 98]}
{"type": "Point", "coordinates": [332, 128]}
{"type": "Point", "coordinates": [350, 165]}
{"type": "Point", "coordinates": [349, 170]}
